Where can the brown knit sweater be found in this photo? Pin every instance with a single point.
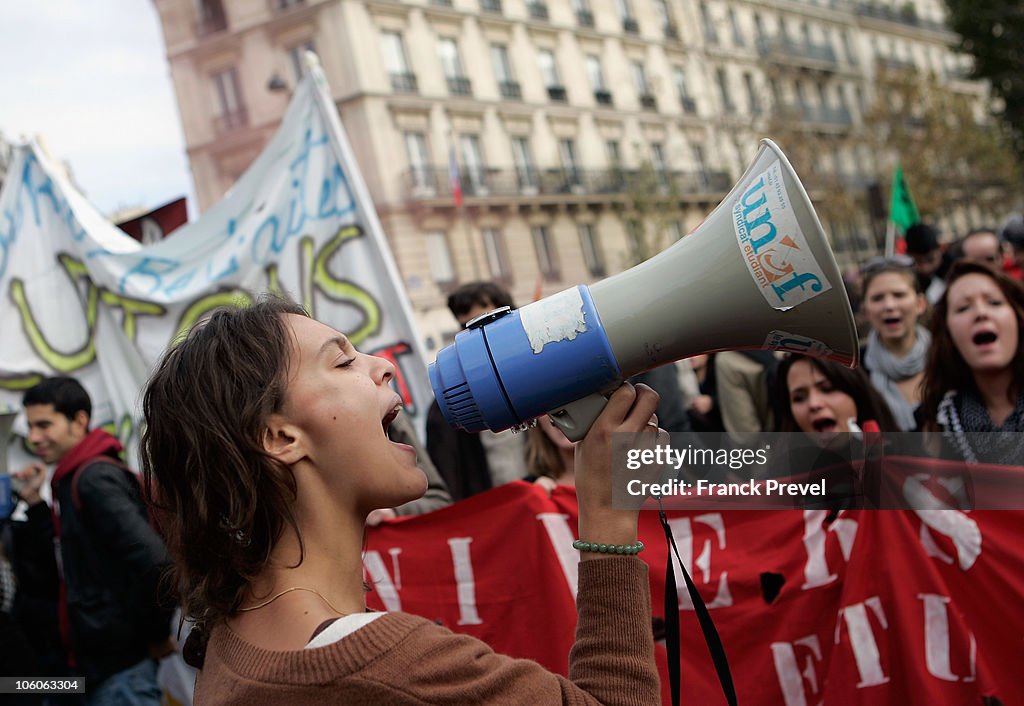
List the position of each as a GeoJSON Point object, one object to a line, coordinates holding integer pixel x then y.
{"type": "Point", "coordinates": [404, 659]}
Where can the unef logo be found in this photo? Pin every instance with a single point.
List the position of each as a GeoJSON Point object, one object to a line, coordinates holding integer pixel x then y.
{"type": "Point", "coordinates": [773, 245]}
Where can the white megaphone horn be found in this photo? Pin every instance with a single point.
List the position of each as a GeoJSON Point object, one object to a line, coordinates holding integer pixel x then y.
{"type": "Point", "coordinates": [756, 274]}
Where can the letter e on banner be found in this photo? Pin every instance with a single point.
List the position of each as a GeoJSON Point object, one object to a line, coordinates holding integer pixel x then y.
{"type": "Point", "coordinates": [684, 531]}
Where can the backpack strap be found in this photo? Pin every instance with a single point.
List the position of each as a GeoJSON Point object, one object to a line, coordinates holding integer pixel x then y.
{"type": "Point", "coordinates": [76, 499]}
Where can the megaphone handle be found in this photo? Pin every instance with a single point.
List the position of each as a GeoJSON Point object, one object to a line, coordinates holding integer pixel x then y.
{"type": "Point", "coordinates": [576, 418]}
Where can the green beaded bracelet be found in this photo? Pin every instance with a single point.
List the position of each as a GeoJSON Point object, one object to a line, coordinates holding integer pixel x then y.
{"type": "Point", "coordinates": [608, 548]}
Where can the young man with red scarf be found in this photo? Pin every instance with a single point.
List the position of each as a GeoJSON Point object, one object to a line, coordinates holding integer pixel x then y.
{"type": "Point", "coordinates": [111, 616]}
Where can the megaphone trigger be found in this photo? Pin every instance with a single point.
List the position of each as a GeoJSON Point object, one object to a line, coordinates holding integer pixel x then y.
{"type": "Point", "coordinates": [576, 418]}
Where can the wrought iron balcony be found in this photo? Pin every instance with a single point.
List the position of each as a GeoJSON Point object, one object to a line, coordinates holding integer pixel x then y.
{"type": "Point", "coordinates": [603, 96]}
{"type": "Point", "coordinates": [557, 94]}
{"type": "Point", "coordinates": [538, 10]}
{"type": "Point", "coordinates": [689, 105]}
{"type": "Point", "coordinates": [893, 64]}
{"type": "Point", "coordinates": [491, 6]}
{"type": "Point", "coordinates": [441, 3]}
{"type": "Point", "coordinates": [433, 183]}
{"type": "Point", "coordinates": [510, 89]}
{"type": "Point", "coordinates": [906, 15]}
{"type": "Point", "coordinates": [404, 83]}
{"type": "Point", "coordinates": [459, 86]}
{"type": "Point", "coordinates": [786, 48]}
{"type": "Point", "coordinates": [648, 102]}
{"type": "Point", "coordinates": [630, 25]}
{"type": "Point", "coordinates": [585, 18]}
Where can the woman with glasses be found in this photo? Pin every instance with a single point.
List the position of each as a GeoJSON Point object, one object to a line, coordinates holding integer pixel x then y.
{"type": "Point", "coordinates": [973, 390]}
{"type": "Point", "coordinates": [897, 345]}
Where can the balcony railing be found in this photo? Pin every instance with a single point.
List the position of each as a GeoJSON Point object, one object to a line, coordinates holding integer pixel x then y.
{"type": "Point", "coordinates": [233, 120]}
{"type": "Point", "coordinates": [459, 86]}
{"type": "Point", "coordinates": [819, 113]}
{"type": "Point", "coordinates": [441, 3]}
{"type": "Point", "coordinates": [585, 18]}
{"type": "Point", "coordinates": [893, 64]}
{"type": "Point", "coordinates": [426, 183]}
{"type": "Point", "coordinates": [538, 10]}
{"type": "Point", "coordinates": [603, 97]}
{"type": "Point", "coordinates": [510, 89]}
{"type": "Point", "coordinates": [648, 102]}
{"type": "Point", "coordinates": [404, 83]}
{"type": "Point", "coordinates": [787, 48]}
{"type": "Point", "coordinates": [557, 94]}
{"type": "Point", "coordinates": [906, 15]}
{"type": "Point", "coordinates": [491, 6]}
{"type": "Point", "coordinates": [630, 25]}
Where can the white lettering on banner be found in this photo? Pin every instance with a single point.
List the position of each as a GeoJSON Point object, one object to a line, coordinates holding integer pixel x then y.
{"type": "Point", "coordinates": [773, 245]}
{"type": "Point", "coordinates": [560, 535]}
{"type": "Point", "coordinates": [683, 531]}
{"type": "Point", "coordinates": [937, 640]}
{"type": "Point", "coordinates": [816, 570]}
{"type": "Point", "coordinates": [937, 516]}
{"type": "Point", "coordinates": [396, 570]}
{"type": "Point", "coordinates": [787, 667]}
{"type": "Point", "coordinates": [862, 639]}
{"type": "Point", "coordinates": [464, 580]}
{"type": "Point", "coordinates": [381, 581]}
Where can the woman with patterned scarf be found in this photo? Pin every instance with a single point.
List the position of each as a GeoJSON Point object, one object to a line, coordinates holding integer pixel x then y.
{"type": "Point", "coordinates": [974, 380]}
{"type": "Point", "coordinates": [898, 345]}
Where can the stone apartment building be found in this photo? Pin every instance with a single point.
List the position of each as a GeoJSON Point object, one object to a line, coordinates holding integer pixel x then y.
{"type": "Point", "coordinates": [587, 132]}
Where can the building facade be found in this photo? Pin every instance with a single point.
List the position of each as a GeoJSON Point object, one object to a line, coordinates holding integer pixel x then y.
{"type": "Point", "coordinates": [588, 134]}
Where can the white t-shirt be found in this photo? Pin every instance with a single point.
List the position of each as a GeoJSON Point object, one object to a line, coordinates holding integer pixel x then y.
{"type": "Point", "coordinates": [342, 627]}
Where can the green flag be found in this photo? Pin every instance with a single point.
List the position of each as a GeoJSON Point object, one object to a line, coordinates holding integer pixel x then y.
{"type": "Point", "coordinates": [902, 210]}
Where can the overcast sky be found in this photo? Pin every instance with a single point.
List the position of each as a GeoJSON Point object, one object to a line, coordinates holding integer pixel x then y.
{"type": "Point", "coordinates": [91, 77]}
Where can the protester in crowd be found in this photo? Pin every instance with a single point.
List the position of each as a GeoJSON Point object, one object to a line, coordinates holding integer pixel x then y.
{"type": "Point", "coordinates": [550, 456]}
{"type": "Point", "coordinates": [743, 380]}
{"type": "Point", "coordinates": [897, 346]}
{"type": "Point", "coordinates": [111, 612]}
{"type": "Point", "coordinates": [263, 489]}
{"type": "Point", "coordinates": [982, 246]}
{"type": "Point", "coordinates": [974, 380]}
{"type": "Point", "coordinates": [1012, 233]}
{"type": "Point", "coordinates": [703, 410]}
{"type": "Point", "coordinates": [930, 262]}
{"type": "Point", "coordinates": [826, 400]}
{"type": "Point", "coordinates": [471, 463]}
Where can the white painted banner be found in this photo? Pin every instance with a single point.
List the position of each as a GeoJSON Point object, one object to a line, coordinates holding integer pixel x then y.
{"type": "Point", "coordinates": [81, 298]}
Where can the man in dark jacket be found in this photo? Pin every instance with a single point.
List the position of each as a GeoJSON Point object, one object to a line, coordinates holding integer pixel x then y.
{"type": "Point", "coordinates": [111, 557]}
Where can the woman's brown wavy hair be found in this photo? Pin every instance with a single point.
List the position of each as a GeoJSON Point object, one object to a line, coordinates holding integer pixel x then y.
{"type": "Point", "coordinates": [221, 500]}
{"type": "Point", "coordinates": [946, 369]}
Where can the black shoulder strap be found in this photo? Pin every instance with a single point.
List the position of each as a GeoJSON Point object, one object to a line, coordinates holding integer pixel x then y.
{"type": "Point", "coordinates": [76, 499]}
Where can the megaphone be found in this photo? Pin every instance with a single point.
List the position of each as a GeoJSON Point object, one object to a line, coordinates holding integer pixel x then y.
{"type": "Point", "coordinates": [758, 273]}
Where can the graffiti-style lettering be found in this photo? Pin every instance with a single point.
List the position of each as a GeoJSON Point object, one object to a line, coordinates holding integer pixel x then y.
{"type": "Point", "coordinates": [204, 305]}
{"type": "Point", "coordinates": [343, 291]}
{"type": "Point", "coordinates": [395, 354]}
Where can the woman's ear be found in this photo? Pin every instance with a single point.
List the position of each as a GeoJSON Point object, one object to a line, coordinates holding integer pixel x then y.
{"type": "Point", "coordinates": [283, 440]}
